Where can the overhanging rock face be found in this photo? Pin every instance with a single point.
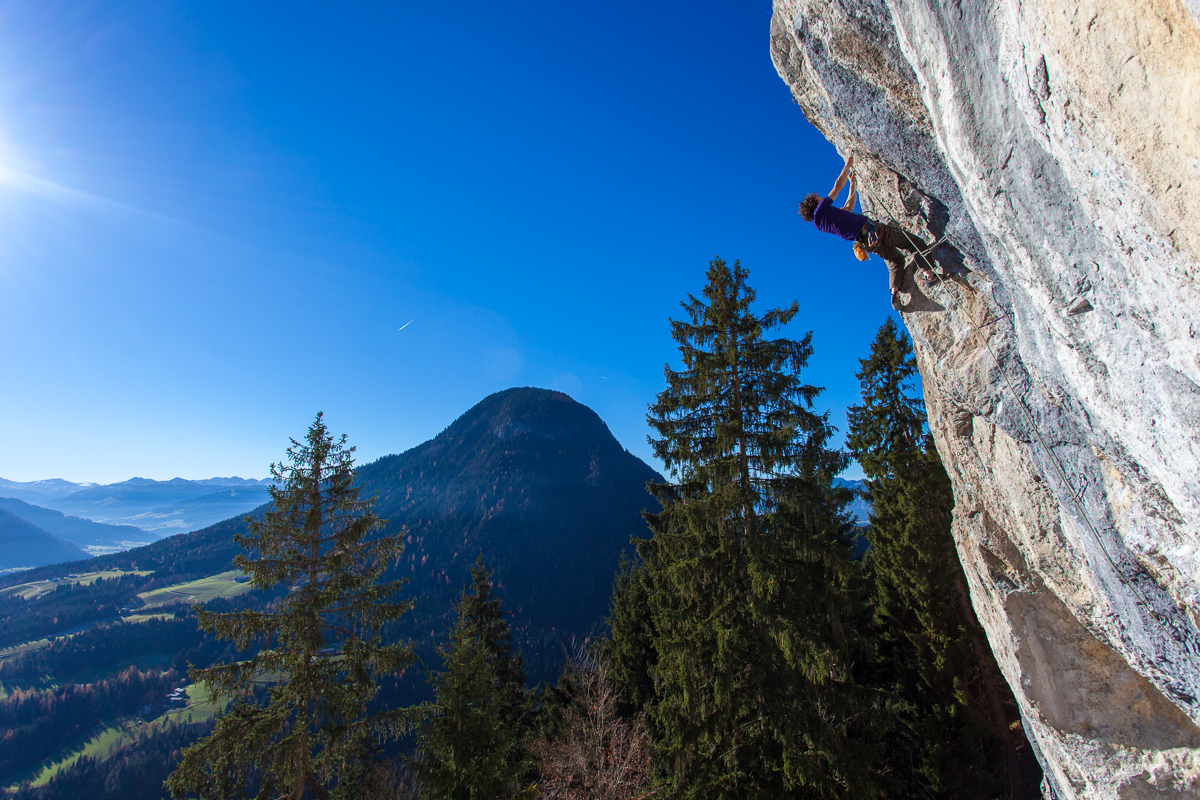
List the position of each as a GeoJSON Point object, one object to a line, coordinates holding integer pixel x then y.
{"type": "Point", "coordinates": [1058, 144]}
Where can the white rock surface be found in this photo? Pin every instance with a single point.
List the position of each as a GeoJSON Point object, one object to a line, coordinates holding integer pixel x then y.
{"type": "Point", "coordinates": [1058, 143]}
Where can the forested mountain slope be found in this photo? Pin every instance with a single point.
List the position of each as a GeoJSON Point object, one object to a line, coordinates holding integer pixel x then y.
{"type": "Point", "coordinates": [23, 544]}
{"type": "Point", "coordinates": [534, 481]}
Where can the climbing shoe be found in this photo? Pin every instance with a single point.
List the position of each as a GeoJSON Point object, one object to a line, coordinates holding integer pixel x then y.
{"type": "Point", "coordinates": [897, 303]}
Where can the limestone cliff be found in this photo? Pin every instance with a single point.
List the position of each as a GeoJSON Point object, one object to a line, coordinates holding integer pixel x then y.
{"type": "Point", "coordinates": [1058, 144]}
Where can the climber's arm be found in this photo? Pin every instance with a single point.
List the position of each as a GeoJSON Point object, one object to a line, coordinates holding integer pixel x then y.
{"type": "Point", "coordinates": [850, 201]}
{"type": "Point", "coordinates": [841, 181]}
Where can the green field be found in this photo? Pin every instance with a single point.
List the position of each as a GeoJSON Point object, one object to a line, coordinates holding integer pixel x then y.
{"type": "Point", "coordinates": [100, 745]}
{"type": "Point", "coordinates": [200, 591]}
{"type": "Point", "coordinates": [23, 647]}
{"type": "Point", "coordinates": [200, 706]}
{"type": "Point", "coordinates": [32, 589]}
{"type": "Point", "coordinates": [27, 591]}
{"type": "Point", "coordinates": [144, 617]}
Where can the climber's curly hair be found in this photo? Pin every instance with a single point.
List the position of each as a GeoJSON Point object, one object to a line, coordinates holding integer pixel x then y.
{"type": "Point", "coordinates": [808, 206]}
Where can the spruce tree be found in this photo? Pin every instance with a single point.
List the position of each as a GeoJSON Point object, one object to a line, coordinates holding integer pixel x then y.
{"type": "Point", "coordinates": [321, 648]}
{"type": "Point", "coordinates": [747, 564]}
{"type": "Point", "coordinates": [629, 650]}
{"type": "Point", "coordinates": [958, 742]}
{"type": "Point", "coordinates": [471, 747]}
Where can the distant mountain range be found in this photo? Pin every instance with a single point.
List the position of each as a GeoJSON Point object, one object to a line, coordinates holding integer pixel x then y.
{"type": "Point", "coordinates": [94, 537]}
{"type": "Point", "coordinates": [860, 508]}
{"type": "Point", "coordinates": [40, 491]}
{"type": "Point", "coordinates": [164, 507]}
{"type": "Point", "coordinates": [157, 508]}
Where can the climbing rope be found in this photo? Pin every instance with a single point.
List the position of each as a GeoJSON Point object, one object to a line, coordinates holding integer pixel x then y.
{"type": "Point", "coordinates": [1076, 495]}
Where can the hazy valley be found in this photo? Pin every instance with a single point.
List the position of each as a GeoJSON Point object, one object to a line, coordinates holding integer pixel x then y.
{"type": "Point", "coordinates": [100, 519]}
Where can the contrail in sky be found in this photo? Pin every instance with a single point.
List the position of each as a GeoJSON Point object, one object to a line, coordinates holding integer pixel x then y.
{"type": "Point", "coordinates": [410, 322]}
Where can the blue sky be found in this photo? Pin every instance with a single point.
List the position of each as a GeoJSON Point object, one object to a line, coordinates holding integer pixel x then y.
{"type": "Point", "coordinates": [215, 217]}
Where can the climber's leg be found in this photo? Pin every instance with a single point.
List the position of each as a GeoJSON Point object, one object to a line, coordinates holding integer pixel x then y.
{"type": "Point", "coordinates": [906, 241]}
{"type": "Point", "coordinates": [917, 246]}
{"type": "Point", "coordinates": [882, 246]}
{"type": "Point", "coordinates": [896, 278]}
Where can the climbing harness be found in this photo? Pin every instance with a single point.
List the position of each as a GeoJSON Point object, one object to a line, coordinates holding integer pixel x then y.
{"type": "Point", "coordinates": [1075, 494]}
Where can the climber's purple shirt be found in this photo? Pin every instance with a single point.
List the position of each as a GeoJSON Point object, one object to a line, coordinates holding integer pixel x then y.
{"type": "Point", "coordinates": [838, 221]}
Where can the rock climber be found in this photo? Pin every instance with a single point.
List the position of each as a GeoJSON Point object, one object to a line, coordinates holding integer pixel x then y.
{"type": "Point", "coordinates": [868, 236]}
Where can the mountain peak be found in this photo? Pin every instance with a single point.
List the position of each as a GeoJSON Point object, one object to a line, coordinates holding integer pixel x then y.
{"type": "Point", "coordinates": [523, 431]}
{"type": "Point", "coordinates": [537, 483]}
{"type": "Point", "coordinates": [526, 410]}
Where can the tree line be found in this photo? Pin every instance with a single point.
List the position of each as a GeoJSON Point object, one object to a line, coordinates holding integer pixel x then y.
{"type": "Point", "coordinates": [67, 605]}
{"type": "Point", "coordinates": [750, 655]}
{"type": "Point", "coordinates": [106, 647]}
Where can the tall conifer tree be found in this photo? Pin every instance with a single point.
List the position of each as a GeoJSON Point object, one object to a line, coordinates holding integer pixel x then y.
{"type": "Point", "coordinates": [747, 562]}
{"type": "Point", "coordinates": [471, 747]}
{"type": "Point", "coordinates": [960, 709]}
{"type": "Point", "coordinates": [629, 652]}
{"type": "Point", "coordinates": [321, 642]}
